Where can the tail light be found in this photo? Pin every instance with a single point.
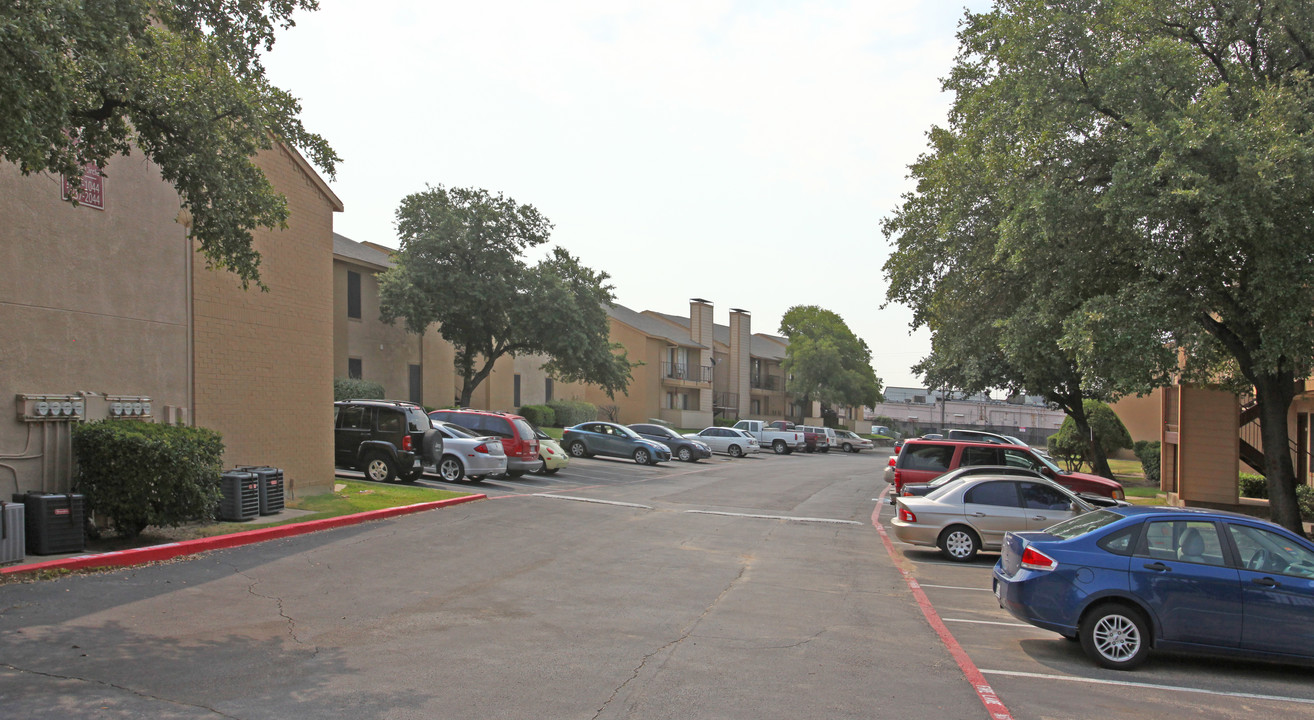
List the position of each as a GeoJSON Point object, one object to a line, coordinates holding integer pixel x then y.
{"type": "Point", "coordinates": [1118, 494]}
{"type": "Point", "coordinates": [898, 480]}
{"type": "Point", "coordinates": [1033, 559]}
{"type": "Point", "coordinates": [407, 444]}
{"type": "Point", "coordinates": [907, 515]}
{"type": "Point", "coordinates": [481, 448]}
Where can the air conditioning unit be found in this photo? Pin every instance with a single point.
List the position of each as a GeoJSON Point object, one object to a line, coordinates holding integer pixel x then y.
{"type": "Point", "coordinates": [54, 523]}
{"type": "Point", "coordinates": [271, 487]}
{"type": "Point", "coordinates": [241, 496]}
{"type": "Point", "coordinates": [13, 537]}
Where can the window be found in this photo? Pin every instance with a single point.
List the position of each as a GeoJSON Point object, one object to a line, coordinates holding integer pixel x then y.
{"type": "Point", "coordinates": [353, 417]}
{"type": "Point", "coordinates": [354, 369]}
{"type": "Point", "coordinates": [1039, 496]}
{"type": "Point", "coordinates": [390, 421]}
{"type": "Point", "coordinates": [928, 457]}
{"type": "Point", "coordinates": [1020, 458]}
{"type": "Point", "coordinates": [515, 390]}
{"type": "Point", "coordinates": [1194, 541]}
{"type": "Point", "coordinates": [547, 390]}
{"type": "Point", "coordinates": [755, 407]}
{"type": "Point", "coordinates": [416, 384]}
{"type": "Point", "coordinates": [980, 456]}
{"type": "Point", "coordinates": [1268, 552]}
{"type": "Point", "coordinates": [999, 494]}
{"type": "Point", "coordinates": [353, 295]}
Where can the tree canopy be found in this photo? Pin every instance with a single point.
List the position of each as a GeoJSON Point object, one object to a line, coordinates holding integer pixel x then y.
{"type": "Point", "coordinates": [461, 265]}
{"type": "Point", "coordinates": [1104, 428]}
{"type": "Point", "coordinates": [1157, 158]}
{"type": "Point", "coordinates": [825, 361]}
{"type": "Point", "coordinates": [181, 80]}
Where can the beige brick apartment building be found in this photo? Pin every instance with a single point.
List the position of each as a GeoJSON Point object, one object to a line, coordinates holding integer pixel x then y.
{"type": "Point", "coordinates": [106, 306]}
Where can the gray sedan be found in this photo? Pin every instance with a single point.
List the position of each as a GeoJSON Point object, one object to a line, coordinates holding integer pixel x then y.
{"type": "Point", "coordinates": [468, 454]}
{"type": "Point", "coordinates": [973, 513]}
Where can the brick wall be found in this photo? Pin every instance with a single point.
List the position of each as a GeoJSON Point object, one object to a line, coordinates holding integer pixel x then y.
{"type": "Point", "coordinates": [264, 360]}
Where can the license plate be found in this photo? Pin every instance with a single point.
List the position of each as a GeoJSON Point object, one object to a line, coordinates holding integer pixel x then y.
{"type": "Point", "coordinates": [999, 591]}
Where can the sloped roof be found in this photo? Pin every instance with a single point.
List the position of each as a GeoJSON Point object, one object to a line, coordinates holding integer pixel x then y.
{"type": "Point", "coordinates": [649, 325]}
{"type": "Point", "coordinates": [720, 333]}
{"type": "Point", "coordinates": [762, 345]}
{"type": "Point", "coordinates": [349, 249]}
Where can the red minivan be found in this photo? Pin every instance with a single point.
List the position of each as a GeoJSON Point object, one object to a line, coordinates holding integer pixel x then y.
{"type": "Point", "coordinates": [923, 460]}
{"type": "Point", "coordinates": [519, 441]}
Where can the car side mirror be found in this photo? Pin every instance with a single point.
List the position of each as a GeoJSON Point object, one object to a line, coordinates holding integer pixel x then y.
{"type": "Point", "coordinates": [1074, 507]}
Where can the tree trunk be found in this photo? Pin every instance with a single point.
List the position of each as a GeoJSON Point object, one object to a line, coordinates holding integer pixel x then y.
{"type": "Point", "coordinates": [1275, 393]}
{"type": "Point", "coordinates": [1099, 462]}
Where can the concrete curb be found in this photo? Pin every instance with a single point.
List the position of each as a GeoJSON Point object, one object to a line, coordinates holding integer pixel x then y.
{"type": "Point", "coordinates": [155, 553]}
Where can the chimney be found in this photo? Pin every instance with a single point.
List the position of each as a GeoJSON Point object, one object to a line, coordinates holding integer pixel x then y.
{"type": "Point", "coordinates": [741, 344]}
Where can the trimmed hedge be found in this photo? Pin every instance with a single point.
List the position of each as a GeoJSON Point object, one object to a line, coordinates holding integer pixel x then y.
{"type": "Point", "coordinates": [1148, 453]}
{"type": "Point", "coordinates": [1253, 486]}
{"type": "Point", "coordinates": [573, 412]}
{"type": "Point", "coordinates": [539, 415]}
{"type": "Point", "coordinates": [356, 389]}
{"type": "Point", "coordinates": [138, 473]}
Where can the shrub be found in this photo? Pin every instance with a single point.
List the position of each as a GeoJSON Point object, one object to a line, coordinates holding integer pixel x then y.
{"type": "Point", "coordinates": [353, 389]}
{"type": "Point", "coordinates": [1253, 486]}
{"type": "Point", "coordinates": [723, 422]}
{"type": "Point", "coordinates": [138, 474]}
{"type": "Point", "coordinates": [573, 412]}
{"type": "Point", "coordinates": [1148, 453]}
{"type": "Point", "coordinates": [1305, 501]}
{"type": "Point", "coordinates": [539, 415]}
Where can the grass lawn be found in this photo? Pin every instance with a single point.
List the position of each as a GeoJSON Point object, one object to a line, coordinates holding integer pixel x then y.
{"type": "Point", "coordinates": [355, 497]}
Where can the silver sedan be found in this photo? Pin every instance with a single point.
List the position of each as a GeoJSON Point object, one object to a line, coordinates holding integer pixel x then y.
{"type": "Point", "coordinates": [973, 513]}
{"type": "Point", "coordinates": [466, 454]}
{"type": "Point", "coordinates": [735, 443]}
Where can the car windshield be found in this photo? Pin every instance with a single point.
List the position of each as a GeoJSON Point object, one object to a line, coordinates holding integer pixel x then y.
{"type": "Point", "coordinates": [660, 430]}
{"type": "Point", "coordinates": [1082, 524]}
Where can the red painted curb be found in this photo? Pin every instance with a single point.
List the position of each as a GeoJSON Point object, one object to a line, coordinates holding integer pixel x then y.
{"type": "Point", "coordinates": [155, 553]}
{"type": "Point", "coordinates": [986, 694]}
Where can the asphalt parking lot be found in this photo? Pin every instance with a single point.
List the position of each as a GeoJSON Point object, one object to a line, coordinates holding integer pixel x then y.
{"type": "Point", "coordinates": [1038, 674]}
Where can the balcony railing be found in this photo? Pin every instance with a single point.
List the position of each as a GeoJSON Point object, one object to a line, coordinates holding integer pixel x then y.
{"type": "Point", "coordinates": [765, 382]}
{"type": "Point", "coordinates": [685, 371]}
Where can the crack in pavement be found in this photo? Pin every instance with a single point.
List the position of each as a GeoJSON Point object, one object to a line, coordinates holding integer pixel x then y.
{"type": "Point", "coordinates": [121, 688]}
{"type": "Point", "coordinates": [291, 623]}
{"type": "Point", "coordinates": [684, 635]}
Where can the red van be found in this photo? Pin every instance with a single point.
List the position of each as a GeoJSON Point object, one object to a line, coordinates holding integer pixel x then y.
{"type": "Point", "coordinates": [519, 441]}
{"type": "Point", "coordinates": [923, 460]}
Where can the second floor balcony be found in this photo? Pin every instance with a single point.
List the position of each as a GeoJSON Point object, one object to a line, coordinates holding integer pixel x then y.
{"type": "Point", "coordinates": [687, 373]}
{"type": "Point", "coordinates": [766, 382]}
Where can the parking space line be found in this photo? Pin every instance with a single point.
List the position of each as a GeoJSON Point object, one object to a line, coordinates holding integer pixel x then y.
{"type": "Point", "coordinates": [986, 694]}
{"type": "Point", "coordinates": [1149, 686]}
{"type": "Point", "coordinates": [955, 587]}
{"type": "Point", "coordinates": [993, 622]}
{"type": "Point", "coordinates": [592, 500]}
{"type": "Point", "coordinates": [775, 517]}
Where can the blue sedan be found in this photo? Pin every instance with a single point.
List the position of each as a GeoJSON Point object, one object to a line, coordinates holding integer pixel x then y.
{"type": "Point", "coordinates": [604, 438]}
{"type": "Point", "coordinates": [1126, 580]}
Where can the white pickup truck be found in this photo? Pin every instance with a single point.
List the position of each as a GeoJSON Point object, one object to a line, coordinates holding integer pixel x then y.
{"type": "Point", "coordinates": [781, 442]}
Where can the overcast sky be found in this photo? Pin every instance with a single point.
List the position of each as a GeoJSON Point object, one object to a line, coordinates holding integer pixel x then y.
{"type": "Point", "coordinates": [743, 152]}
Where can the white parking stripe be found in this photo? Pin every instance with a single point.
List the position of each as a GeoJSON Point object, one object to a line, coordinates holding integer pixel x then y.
{"type": "Point", "coordinates": [1149, 686]}
{"type": "Point", "coordinates": [991, 622]}
{"type": "Point", "coordinates": [775, 517]}
{"type": "Point", "coordinates": [591, 500]}
{"type": "Point", "coordinates": [955, 587]}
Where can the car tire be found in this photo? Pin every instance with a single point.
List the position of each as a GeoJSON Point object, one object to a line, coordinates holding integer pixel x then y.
{"type": "Point", "coordinates": [685, 454]}
{"type": "Point", "coordinates": [1115, 636]}
{"type": "Point", "coordinates": [450, 469]}
{"type": "Point", "coordinates": [642, 457]}
{"type": "Point", "coordinates": [413, 476]}
{"type": "Point", "coordinates": [550, 471]}
{"type": "Point", "coordinates": [848, 447]}
{"type": "Point", "coordinates": [736, 451]}
{"type": "Point", "coordinates": [780, 448]}
{"type": "Point", "coordinates": [959, 543]}
{"type": "Point", "coordinates": [380, 468]}
{"type": "Point", "coordinates": [578, 450]}
{"type": "Point", "coordinates": [513, 474]}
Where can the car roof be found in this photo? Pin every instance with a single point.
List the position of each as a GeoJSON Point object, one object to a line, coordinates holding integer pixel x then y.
{"type": "Point", "coordinates": [933, 441]}
{"type": "Point", "coordinates": [1172, 510]}
{"type": "Point", "coordinates": [472, 411]}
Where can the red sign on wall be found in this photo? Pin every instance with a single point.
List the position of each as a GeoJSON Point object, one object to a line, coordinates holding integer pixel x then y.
{"type": "Point", "coordinates": [92, 192]}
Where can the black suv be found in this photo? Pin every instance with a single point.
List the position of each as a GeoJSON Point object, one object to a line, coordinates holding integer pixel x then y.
{"type": "Point", "coordinates": [385, 439]}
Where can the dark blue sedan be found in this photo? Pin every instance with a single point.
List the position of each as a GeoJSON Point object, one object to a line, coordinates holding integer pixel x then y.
{"type": "Point", "coordinates": [1126, 580]}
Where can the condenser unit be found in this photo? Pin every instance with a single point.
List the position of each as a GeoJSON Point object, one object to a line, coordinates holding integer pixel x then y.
{"type": "Point", "coordinates": [241, 496]}
{"type": "Point", "coordinates": [54, 522]}
{"type": "Point", "coordinates": [13, 537]}
{"type": "Point", "coordinates": [271, 487]}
